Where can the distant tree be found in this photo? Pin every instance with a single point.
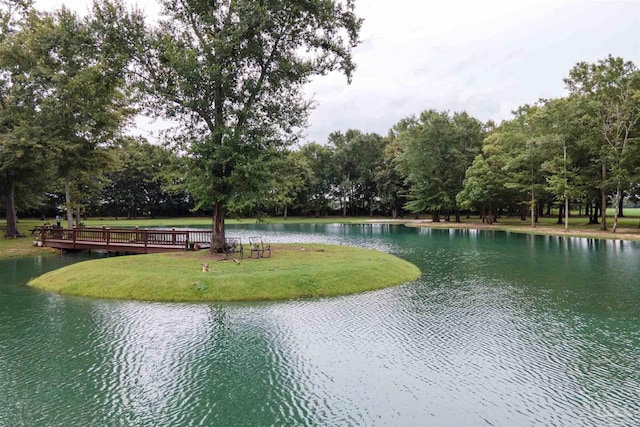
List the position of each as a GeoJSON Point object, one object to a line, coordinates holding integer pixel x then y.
{"type": "Point", "coordinates": [610, 91]}
{"type": "Point", "coordinates": [389, 181]}
{"type": "Point", "coordinates": [321, 180]}
{"type": "Point", "coordinates": [144, 181]}
{"type": "Point", "coordinates": [371, 147]}
{"type": "Point", "coordinates": [23, 164]}
{"type": "Point", "coordinates": [436, 150]}
{"type": "Point", "coordinates": [343, 163]}
{"type": "Point", "coordinates": [72, 71]}
{"type": "Point", "coordinates": [485, 185]}
{"type": "Point", "coordinates": [525, 152]}
{"type": "Point", "coordinates": [356, 155]}
{"type": "Point", "coordinates": [289, 174]}
{"type": "Point", "coordinates": [482, 188]}
{"type": "Point", "coordinates": [232, 72]}
{"type": "Point", "coordinates": [558, 122]}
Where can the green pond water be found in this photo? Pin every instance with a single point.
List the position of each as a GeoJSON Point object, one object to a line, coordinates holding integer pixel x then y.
{"type": "Point", "coordinates": [501, 330]}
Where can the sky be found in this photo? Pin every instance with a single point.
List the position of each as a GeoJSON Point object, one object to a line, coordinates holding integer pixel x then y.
{"type": "Point", "coordinates": [484, 57]}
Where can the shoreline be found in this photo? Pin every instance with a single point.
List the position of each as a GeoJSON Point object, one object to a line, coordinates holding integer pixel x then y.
{"type": "Point", "coordinates": [623, 233]}
{"type": "Point", "coordinates": [294, 271]}
{"type": "Point", "coordinates": [23, 247]}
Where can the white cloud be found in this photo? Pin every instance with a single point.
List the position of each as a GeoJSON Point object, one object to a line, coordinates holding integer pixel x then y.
{"type": "Point", "coordinates": [485, 57]}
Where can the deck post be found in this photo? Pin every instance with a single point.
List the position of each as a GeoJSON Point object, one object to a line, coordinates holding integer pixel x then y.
{"type": "Point", "coordinates": [146, 239]}
{"type": "Point", "coordinates": [107, 237]}
{"type": "Point", "coordinates": [73, 237]}
{"type": "Point", "coordinates": [186, 241]}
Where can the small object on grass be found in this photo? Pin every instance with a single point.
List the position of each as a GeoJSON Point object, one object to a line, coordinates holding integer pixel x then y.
{"type": "Point", "coordinates": [236, 261]}
{"type": "Point", "coordinates": [205, 267]}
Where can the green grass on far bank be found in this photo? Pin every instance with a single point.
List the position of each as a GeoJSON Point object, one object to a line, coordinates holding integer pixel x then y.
{"type": "Point", "coordinates": [294, 271]}
{"type": "Point", "coordinates": [578, 226]}
{"type": "Point", "coordinates": [22, 246]}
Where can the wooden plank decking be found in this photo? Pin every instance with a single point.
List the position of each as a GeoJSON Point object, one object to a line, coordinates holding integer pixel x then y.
{"type": "Point", "coordinates": [131, 240]}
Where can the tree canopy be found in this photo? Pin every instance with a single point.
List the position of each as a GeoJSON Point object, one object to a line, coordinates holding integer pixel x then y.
{"type": "Point", "coordinates": [231, 73]}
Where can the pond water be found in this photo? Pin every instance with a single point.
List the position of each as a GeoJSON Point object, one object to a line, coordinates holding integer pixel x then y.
{"type": "Point", "coordinates": [501, 330]}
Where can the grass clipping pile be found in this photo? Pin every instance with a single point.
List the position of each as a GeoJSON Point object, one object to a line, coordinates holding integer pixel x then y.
{"type": "Point", "coordinates": [294, 271]}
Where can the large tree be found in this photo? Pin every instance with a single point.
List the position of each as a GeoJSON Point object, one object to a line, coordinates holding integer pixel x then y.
{"type": "Point", "coordinates": [145, 182]}
{"type": "Point", "coordinates": [231, 72]}
{"type": "Point", "coordinates": [610, 92]}
{"type": "Point", "coordinates": [321, 180]}
{"type": "Point", "coordinates": [67, 81]}
{"type": "Point", "coordinates": [437, 148]}
{"type": "Point", "coordinates": [389, 181]}
{"type": "Point", "coordinates": [356, 156]}
{"type": "Point", "coordinates": [23, 168]}
{"type": "Point", "coordinates": [87, 100]}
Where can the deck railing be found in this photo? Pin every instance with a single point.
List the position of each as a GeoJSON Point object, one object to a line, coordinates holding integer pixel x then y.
{"type": "Point", "coordinates": [132, 236]}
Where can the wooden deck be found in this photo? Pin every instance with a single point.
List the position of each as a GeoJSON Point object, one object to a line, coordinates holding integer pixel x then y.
{"type": "Point", "coordinates": [130, 240]}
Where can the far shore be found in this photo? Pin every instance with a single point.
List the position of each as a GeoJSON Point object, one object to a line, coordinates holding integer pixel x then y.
{"type": "Point", "coordinates": [584, 231]}
{"type": "Point", "coordinates": [628, 228]}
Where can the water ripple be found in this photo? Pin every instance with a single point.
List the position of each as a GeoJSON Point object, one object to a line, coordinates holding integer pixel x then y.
{"type": "Point", "coordinates": [474, 341]}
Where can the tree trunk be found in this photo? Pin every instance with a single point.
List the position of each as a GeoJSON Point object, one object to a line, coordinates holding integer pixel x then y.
{"type": "Point", "coordinates": [603, 199]}
{"type": "Point", "coordinates": [67, 198]}
{"type": "Point", "coordinates": [284, 212]}
{"type": "Point", "coordinates": [560, 208]}
{"type": "Point", "coordinates": [10, 208]}
{"type": "Point", "coordinates": [533, 209]}
{"type": "Point", "coordinates": [344, 206]}
{"type": "Point", "coordinates": [587, 210]}
{"type": "Point", "coordinates": [488, 217]}
{"type": "Point", "coordinates": [621, 207]}
{"type": "Point", "coordinates": [616, 205]}
{"type": "Point", "coordinates": [457, 215]}
{"type": "Point", "coordinates": [566, 213]}
{"type": "Point", "coordinates": [217, 228]}
{"type": "Point", "coordinates": [435, 216]}
{"type": "Point", "coordinates": [603, 210]}
{"type": "Point", "coordinates": [77, 216]}
{"type": "Point", "coordinates": [592, 211]}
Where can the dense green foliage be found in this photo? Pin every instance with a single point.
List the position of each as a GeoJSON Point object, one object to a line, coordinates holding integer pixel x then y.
{"type": "Point", "coordinates": [296, 271]}
{"type": "Point", "coordinates": [231, 73]}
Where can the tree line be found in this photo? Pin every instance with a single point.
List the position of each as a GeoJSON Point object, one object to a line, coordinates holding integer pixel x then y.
{"type": "Point", "coordinates": [230, 73]}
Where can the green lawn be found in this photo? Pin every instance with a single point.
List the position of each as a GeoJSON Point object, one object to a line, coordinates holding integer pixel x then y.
{"type": "Point", "coordinates": [578, 226]}
{"type": "Point", "coordinates": [293, 271]}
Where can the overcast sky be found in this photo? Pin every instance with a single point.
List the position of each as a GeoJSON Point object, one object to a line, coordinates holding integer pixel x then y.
{"type": "Point", "coordinates": [484, 57]}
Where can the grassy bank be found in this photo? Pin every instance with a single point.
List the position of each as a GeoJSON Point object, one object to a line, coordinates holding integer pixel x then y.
{"type": "Point", "coordinates": [578, 227]}
{"type": "Point", "coordinates": [294, 271]}
{"type": "Point", "coordinates": [22, 246]}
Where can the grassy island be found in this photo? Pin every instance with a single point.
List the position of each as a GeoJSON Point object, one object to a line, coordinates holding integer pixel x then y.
{"type": "Point", "coordinates": [294, 271]}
